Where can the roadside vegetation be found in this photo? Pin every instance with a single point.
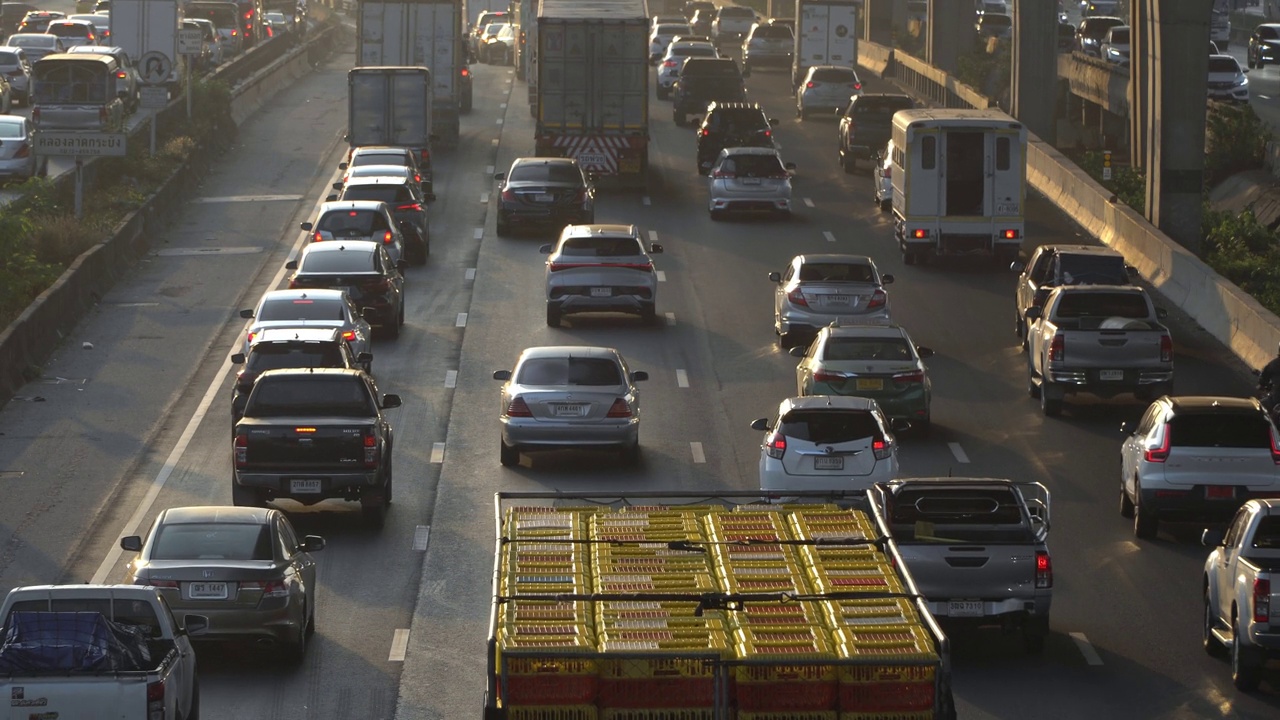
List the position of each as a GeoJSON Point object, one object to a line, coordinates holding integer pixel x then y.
{"type": "Point", "coordinates": [40, 235]}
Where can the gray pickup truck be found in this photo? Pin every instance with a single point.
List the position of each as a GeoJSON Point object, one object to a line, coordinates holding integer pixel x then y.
{"type": "Point", "coordinates": [1105, 340]}
{"type": "Point", "coordinates": [977, 548]}
{"type": "Point", "coordinates": [1242, 591]}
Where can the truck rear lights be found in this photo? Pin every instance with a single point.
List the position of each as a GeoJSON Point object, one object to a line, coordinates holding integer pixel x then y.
{"type": "Point", "coordinates": [796, 297]}
{"type": "Point", "coordinates": [349, 335]}
{"type": "Point", "coordinates": [619, 409]}
{"type": "Point", "coordinates": [518, 408]}
{"type": "Point", "coordinates": [1057, 348]}
{"type": "Point", "coordinates": [1261, 600]}
{"type": "Point", "coordinates": [1166, 348]}
{"type": "Point", "coordinates": [122, 74]}
{"type": "Point", "coordinates": [370, 451]}
{"type": "Point", "coordinates": [426, 156]}
{"type": "Point", "coordinates": [242, 450]}
{"type": "Point", "coordinates": [919, 233]}
{"type": "Point", "coordinates": [1159, 453]}
{"type": "Point", "coordinates": [775, 446]}
{"type": "Point", "coordinates": [155, 700]}
{"type": "Point", "coordinates": [1044, 570]}
{"type": "Point", "coordinates": [1010, 234]}
{"type": "Point", "coordinates": [882, 449]}
{"type": "Point", "coordinates": [878, 299]}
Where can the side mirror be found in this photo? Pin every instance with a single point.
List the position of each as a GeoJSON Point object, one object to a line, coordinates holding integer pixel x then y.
{"type": "Point", "coordinates": [1017, 266]}
{"type": "Point", "coordinates": [501, 374]}
{"type": "Point", "coordinates": [337, 186]}
{"type": "Point", "coordinates": [195, 624]}
{"type": "Point", "coordinates": [402, 265]}
{"type": "Point", "coordinates": [924, 352]}
{"type": "Point", "coordinates": [312, 543]}
{"type": "Point", "coordinates": [760, 424]}
{"type": "Point", "coordinates": [291, 265]}
{"type": "Point", "coordinates": [791, 167]}
{"type": "Point", "coordinates": [900, 424]}
{"type": "Point", "coordinates": [331, 197]}
{"type": "Point", "coordinates": [1161, 313]}
{"type": "Point", "coordinates": [368, 313]}
{"type": "Point", "coordinates": [545, 249]}
{"type": "Point", "coordinates": [1131, 271]}
{"type": "Point", "coordinates": [500, 177]}
{"type": "Point", "coordinates": [655, 248]}
{"type": "Point", "coordinates": [364, 358]}
{"type": "Point", "coordinates": [390, 401]}
{"type": "Point", "coordinates": [775, 276]}
{"type": "Point", "coordinates": [1033, 313]}
{"type": "Point", "coordinates": [798, 351]}
{"type": "Point", "coordinates": [639, 375]}
{"type": "Point", "coordinates": [132, 543]}
{"type": "Point", "coordinates": [1211, 538]}
{"type": "Point", "coordinates": [886, 279]}
{"type": "Point", "coordinates": [343, 166]}
{"type": "Point", "coordinates": [306, 226]}
{"type": "Point", "coordinates": [237, 359]}
{"type": "Point", "coordinates": [246, 314]}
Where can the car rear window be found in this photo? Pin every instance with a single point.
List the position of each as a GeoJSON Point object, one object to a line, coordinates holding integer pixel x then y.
{"type": "Point", "coordinates": [829, 426]}
{"type": "Point", "coordinates": [379, 158]}
{"type": "Point", "coordinates": [1222, 430]}
{"type": "Point", "coordinates": [274, 356]}
{"type": "Point", "coordinates": [545, 172]}
{"type": "Point", "coordinates": [834, 75]}
{"type": "Point", "coordinates": [951, 515]}
{"type": "Point", "coordinates": [1093, 270]}
{"type": "Point", "coordinates": [386, 193]}
{"type": "Point", "coordinates": [996, 21]}
{"type": "Point", "coordinates": [69, 30]}
{"type": "Point", "coordinates": [8, 58]}
{"type": "Point", "coordinates": [885, 106]}
{"type": "Point", "coordinates": [1223, 65]}
{"type": "Point", "coordinates": [597, 372]}
{"type": "Point", "coordinates": [693, 51]}
{"type": "Point", "coordinates": [737, 12]}
{"type": "Point", "coordinates": [836, 272]}
{"type": "Point", "coordinates": [212, 541]}
{"type": "Point", "coordinates": [352, 223]}
{"type": "Point", "coordinates": [301, 309]}
{"type": "Point", "coordinates": [711, 67]}
{"type": "Point", "coordinates": [866, 348]}
{"type": "Point", "coordinates": [600, 247]}
{"type": "Point", "coordinates": [220, 17]}
{"type": "Point", "coordinates": [754, 166]}
{"type": "Point", "coordinates": [1120, 36]}
{"type": "Point", "coordinates": [773, 31]}
{"type": "Point", "coordinates": [305, 395]}
{"type": "Point", "coordinates": [673, 30]}
{"type": "Point", "coordinates": [347, 261]}
{"type": "Point", "coordinates": [10, 129]}
{"type": "Point", "coordinates": [1267, 536]}
{"type": "Point", "coordinates": [376, 170]}
{"type": "Point", "coordinates": [1092, 304]}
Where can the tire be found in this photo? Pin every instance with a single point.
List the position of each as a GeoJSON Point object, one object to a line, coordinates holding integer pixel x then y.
{"type": "Point", "coordinates": [1211, 645]}
{"type": "Point", "coordinates": [553, 315]}
{"type": "Point", "coordinates": [390, 481]}
{"type": "Point", "coordinates": [1126, 505]}
{"type": "Point", "coordinates": [375, 515]}
{"type": "Point", "coordinates": [923, 428]}
{"type": "Point", "coordinates": [244, 497]}
{"type": "Point", "coordinates": [785, 341]}
{"type": "Point", "coordinates": [1051, 407]}
{"type": "Point", "coordinates": [1019, 330]}
{"type": "Point", "coordinates": [1250, 61]}
{"type": "Point", "coordinates": [801, 114]}
{"type": "Point", "coordinates": [1145, 524]}
{"type": "Point", "coordinates": [296, 651]}
{"type": "Point", "coordinates": [716, 215]}
{"type": "Point", "coordinates": [508, 455]}
{"type": "Point", "coordinates": [630, 455]}
{"type": "Point", "coordinates": [194, 713]}
{"type": "Point", "coordinates": [677, 118]}
{"type": "Point", "coordinates": [909, 258]}
{"type": "Point", "coordinates": [663, 95]}
{"type": "Point", "coordinates": [466, 103]}
{"type": "Point", "coordinates": [400, 317]}
{"type": "Point", "coordinates": [1033, 389]}
{"type": "Point", "coordinates": [503, 229]}
{"type": "Point", "coordinates": [1246, 673]}
{"type": "Point", "coordinates": [886, 205]}
{"type": "Point", "coordinates": [848, 164]}
{"type": "Point", "coordinates": [648, 314]}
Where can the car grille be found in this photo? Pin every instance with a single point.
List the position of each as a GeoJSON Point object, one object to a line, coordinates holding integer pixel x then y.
{"type": "Point", "coordinates": [585, 291]}
{"type": "Point", "coordinates": [1222, 85]}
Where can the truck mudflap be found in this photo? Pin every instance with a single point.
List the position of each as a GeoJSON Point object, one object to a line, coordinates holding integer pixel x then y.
{"type": "Point", "coordinates": [616, 160]}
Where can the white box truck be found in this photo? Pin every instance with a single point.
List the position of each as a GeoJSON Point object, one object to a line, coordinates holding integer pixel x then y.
{"type": "Point", "coordinates": [420, 34]}
{"type": "Point", "coordinates": [392, 106]}
{"type": "Point", "coordinates": [826, 34]}
{"type": "Point", "coordinates": [959, 183]}
{"type": "Point", "coordinates": [526, 21]}
{"type": "Point", "coordinates": [142, 27]}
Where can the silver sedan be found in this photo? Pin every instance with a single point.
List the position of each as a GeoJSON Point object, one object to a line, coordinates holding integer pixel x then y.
{"type": "Point", "coordinates": [17, 154]}
{"type": "Point", "coordinates": [826, 90]}
{"type": "Point", "coordinates": [816, 290]}
{"type": "Point", "coordinates": [570, 397]}
{"type": "Point", "coordinates": [749, 179]}
{"type": "Point", "coordinates": [601, 268]}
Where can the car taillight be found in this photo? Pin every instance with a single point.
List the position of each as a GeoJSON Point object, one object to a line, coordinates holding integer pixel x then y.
{"type": "Point", "coordinates": [102, 114]}
{"type": "Point", "coordinates": [248, 14]}
{"type": "Point", "coordinates": [1044, 570]}
{"type": "Point", "coordinates": [669, 64]}
{"type": "Point", "coordinates": [122, 74]}
{"type": "Point", "coordinates": [411, 206]}
{"type": "Point", "coordinates": [370, 451]}
{"type": "Point", "coordinates": [909, 378]}
{"type": "Point", "coordinates": [882, 449]}
{"type": "Point", "coordinates": [1159, 453]}
{"type": "Point", "coordinates": [1166, 348]}
{"type": "Point", "coordinates": [829, 376]}
{"type": "Point", "coordinates": [724, 174]}
{"type": "Point", "coordinates": [581, 197]}
{"type": "Point", "coordinates": [1009, 234]}
{"type": "Point", "coordinates": [775, 446]}
{"type": "Point", "coordinates": [426, 156]}
{"type": "Point", "coordinates": [252, 335]}
{"type": "Point", "coordinates": [269, 588]}
{"type": "Point", "coordinates": [173, 584]}
{"type": "Point", "coordinates": [796, 297]}
{"type": "Point", "coordinates": [1275, 449]}
{"type": "Point", "coordinates": [619, 409]}
{"type": "Point", "coordinates": [768, 133]}
{"type": "Point", "coordinates": [349, 336]}
{"type": "Point", "coordinates": [23, 151]}
{"type": "Point", "coordinates": [1262, 600]}
{"type": "Point", "coordinates": [155, 700]}
{"type": "Point", "coordinates": [464, 72]}
{"type": "Point", "coordinates": [809, 85]}
{"type": "Point", "coordinates": [316, 236]}
{"type": "Point", "coordinates": [919, 233]}
{"type": "Point", "coordinates": [242, 449]}
{"type": "Point", "coordinates": [293, 283]}
{"type": "Point", "coordinates": [1058, 348]}
{"type": "Point", "coordinates": [234, 33]}
{"type": "Point", "coordinates": [856, 86]}
{"type": "Point", "coordinates": [386, 237]}
{"type": "Point", "coordinates": [508, 196]}
{"type": "Point", "coordinates": [878, 299]}
{"type": "Point", "coordinates": [518, 408]}
{"type": "Point", "coordinates": [704, 132]}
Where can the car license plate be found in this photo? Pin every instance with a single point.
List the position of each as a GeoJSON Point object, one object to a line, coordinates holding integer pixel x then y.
{"type": "Point", "coordinates": [601, 292]}
{"type": "Point", "coordinates": [828, 463]}
{"type": "Point", "coordinates": [1111, 375]}
{"type": "Point", "coordinates": [839, 299]}
{"type": "Point", "coordinates": [544, 197]}
{"type": "Point", "coordinates": [964, 608]}
{"type": "Point", "coordinates": [870, 384]}
{"type": "Point", "coordinates": [207, 590]}
{"type": "Point", "coordinates": [1220, 492]}
{"type": "Point", "coordinates": [306, 486]}
{"type": "Point", "coordinates": [1007, 208]}
{"type": "Point", "coordinates": [569, 410]}
{"type": "Point", "coordinates": [750, 181]}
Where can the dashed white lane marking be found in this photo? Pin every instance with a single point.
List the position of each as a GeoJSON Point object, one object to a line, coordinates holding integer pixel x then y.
{"type": "Point", "coordinates": [245, 198]}
{"type": "Point", "coordinates": [488, 169]}
{"type": "Point", "coordinates": [502, 105]}
{"type": "Point", "coordinates": [478, 233]}
{"type": "Point", "coordinates": [1086, 649]}
{"type": "Point", "coordinates": [470, 274]}
{"type": "Point", "coordinates": [499, 121]}
{"type": "Point", "coordinates": [484, 198]}
{"type": "Point", "coordinates": [437, 453]}
{"type": "Point", "coordinates": [662, 275]}
{"type": "Point", "coordinates": [421, 535]}
{"type": "Point", "coordinates": [462, 320]}
{"type": "Point", "coordinates": [399, 645]}
{"type": "Point", "coordinates": [494, 142]}
{"type": "Point", "coordinates": [1265, 97]}
{"type": "Point", "coordinates": [671, 318]}
{"type": "Point", "coordinates": [646, 200]}
{"type": "Point", "coordinates": [451, 379]}
{"type": "Point", "coordinates": [958, 452]}
{"type": "Point", "coordinates": [682, 378]}
{"type": "Point", "coordinates": [698, 456]}
{"type": "Point", "coordinates": [808, 202]}
{"type": "Point", "coordinates": [828, 235]}
{"type": "Point", "coordinates": [653, 236]}
{"type": "Point", "coordinates": [208, 252]}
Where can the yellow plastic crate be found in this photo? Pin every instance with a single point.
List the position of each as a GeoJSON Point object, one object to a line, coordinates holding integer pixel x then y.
{"type": "Point", "coordinates": [533, 611]}
{"type": "Point", "coordinates": [818, 556]}
{"type": "Point", "coordinates": [553, 712]}
{"type": "Point", "coordinates": [827, 583]}
{"type": "Point", "coordinates": [766, 584]}
{"type": "Point", "coordinates": [685, 583]}
{"type": "Point", "coordinates": [645, 608]}
{"type": "Point", "coordinates": [774, 614]}
{"type": "Point", "coordinates": [705, 624]}
{"type": "Point", "coordinates": [885, 641]}
{"type": "Point", "coordinates": [884, 611]}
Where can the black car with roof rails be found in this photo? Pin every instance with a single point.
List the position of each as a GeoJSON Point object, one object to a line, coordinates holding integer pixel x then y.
{"type": "Point", "coordinates": [301, 347]}
{"type": "Point", "coordinates": [363, 269]}
{"type": "Point", "coordinates": [544, 194]}
{"type": "Point", "coordinates": [704, 80]}
{"type": "Point", "coordinates": [405, 200]}
{"type": "Point", "coordinates": [732, 124]}
{"type": "Point", "coordinates": [867, 124]}
{"type": "Point", "coordinates": [391, 155]}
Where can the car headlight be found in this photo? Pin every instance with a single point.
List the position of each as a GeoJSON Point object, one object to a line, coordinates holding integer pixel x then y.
{"type": "Point", "coordinates": [1242, 81]}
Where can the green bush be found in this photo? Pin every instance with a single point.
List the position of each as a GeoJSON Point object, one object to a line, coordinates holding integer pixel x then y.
{"type": "Point", "coordinates": [1245, 252]}
{"type": "Point", "coordinates": [1128, 184]}
{"type": "Point", "coordinates": [1235, 140]}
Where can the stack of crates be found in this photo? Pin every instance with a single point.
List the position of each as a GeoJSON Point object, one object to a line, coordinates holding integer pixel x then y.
{"type": "Point", "coordinates": [665, 645]}
{"type": "Point", "coordinates": [754, 568]}
{"type": "Point", "coordinates": [836, 568]}
{"type": "Point", "coordinates": [546, 556]}
{"type": "Point", "coordinates": [900, 683]}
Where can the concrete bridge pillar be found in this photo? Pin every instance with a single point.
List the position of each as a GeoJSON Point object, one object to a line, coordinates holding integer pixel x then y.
{"type": "Point", "coordinates": [1035, 66]}
{"type": "Point", "coordinates": [1139, 83]}
{"type": "Point", "coordinates": [949, 33]}
{"type": "Point", "coordinates": [879, 22]}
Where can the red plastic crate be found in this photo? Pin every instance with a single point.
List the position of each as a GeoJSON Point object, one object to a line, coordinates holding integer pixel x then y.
{"type": "Point", "coordinates": [782, 696]}
{"type": "Point", "coordinates": [666, 692]}
{"type": "Point", "coordinates": [552, 689]}
{"type": "Point", "coordinates": [886, 696]}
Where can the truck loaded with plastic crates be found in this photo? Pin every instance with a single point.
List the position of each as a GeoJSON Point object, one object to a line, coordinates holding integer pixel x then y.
{"type": "Point", "coordinates": [706, 606]}
{"type": "Point", "coordinates": [592, 87]}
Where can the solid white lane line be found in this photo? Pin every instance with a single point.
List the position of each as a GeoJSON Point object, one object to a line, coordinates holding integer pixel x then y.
{"type": "Point", "coordinates": [958, 452]}
{"type": "Point", "coordinates": [399, 645]}
{"type": "Point", "coordinates": [470, 274]}
{"type": "Point", "coordinates": [808, 202]}
{"type": "Point", "coordinates": [1086, 649]}
{"type": "Point", "coordinates": [462, 320]}
{"type": "Point", "coordinates": [245, 198]}
{"type": "Point", "coordinates": [662, 275]}
{"type": "Point", "coordinates": [437, 453]}
{"type": "Point", "coordinates": [682, 378]}
{"type": "Point", "coordinates": [421, 535]}
{"type": "Point", "coordinates": [646, 200]}
{"type": "Point", "coordinates": [671, 318]}
{"type": "Point", "coordinates": [828, 235]}
{"type": "Point", "coordinates": [698, 456]}
{"type": "Point", "coordinates": [653, 236]}
{"type": "Point", "coordinates": [451, 379]}
{"type": "Point", "coordinates": [484, 198]}
{"type": "Point", "coordinates": [478, 233]}
{"type": "Point", "coordinates": [488, 169]}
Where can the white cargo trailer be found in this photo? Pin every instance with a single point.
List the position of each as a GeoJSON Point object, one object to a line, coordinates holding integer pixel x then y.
{"type": "Point", "coordinates": [826, 34]}
{"type": "Point", "coordinates": [142, 27]}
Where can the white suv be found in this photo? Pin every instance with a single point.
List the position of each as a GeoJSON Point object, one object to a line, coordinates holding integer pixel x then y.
{"type": "Point", "coordinates": [826, 443]}
{"type": "Point", "coordinates": [601, 268]}
{"type": "Point", "coordinates": [732, 23]}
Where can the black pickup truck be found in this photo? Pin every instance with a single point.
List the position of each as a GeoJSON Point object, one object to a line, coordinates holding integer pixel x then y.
{"type": "Point", "coordinates": [866, 126]}
{"type": "Point", "coordinates": [314, 434]}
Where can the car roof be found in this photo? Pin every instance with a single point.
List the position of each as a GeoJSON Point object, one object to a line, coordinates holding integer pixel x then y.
{"type": "Point", "coordinates": [600, 229]}
{"type": "Point", "coordinates": [826, 402]}
{"type": "Point", "coordinates": [378, 179]}
{"type": "Point", "coordinates": [217, 514]}
{"type": "Point", "coordinates": [339, 205]}
{"type": "Point", "coordinates": [1099, 289]}
{"type": "Point", "coordinates": [751, 151]}
{"type": "Point", "coordinates": [96, 50]}
{"type": "Point", "coordinates": [834, 258]}
{"type": "Point", "coordinates": [1212, 404]}
{"type": "Point", "coordinates": [298, 372]}
{"type": "Point", "coordinates": [301, 294]}
{"type": "Point", "coordinates": [351, 246]}
{"type": "Point", "coordinates": [865, 329]}
{"type": "Point", "coordinates": [70, 21]}
{"type": "Point", "coordinates": [302, 334]}
{"type": "Point", "coordinates": [543, 161]}
{"type": "Point", "coordinates": [381, 150]}
{"type": "Point", "coordinates": [555, 351]}
{"type": "Point", "coordinates": [1081, 250]}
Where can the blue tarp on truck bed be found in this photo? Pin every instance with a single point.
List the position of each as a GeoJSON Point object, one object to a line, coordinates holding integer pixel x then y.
{"type": "Point", "coordinates": [57, 642]}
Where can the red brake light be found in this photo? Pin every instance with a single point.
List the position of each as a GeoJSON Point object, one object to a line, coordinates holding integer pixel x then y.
{"type": "Point", "coordinates": [234, 33]}
{"type": "Point", "coordinates": [1261, 600]}
{"type": "Point", "coordinates": [242, 449]}
{"type": "Point", "coordinates": [464, 72]}
{"type": "Point", "coordinates": [508, 196]}
{"type": "Point", "coordinates": [411, 206]}
{"type": "Point", "coordinates": [1010, 234]}
{"type": "Point", "coordinates": [1275, 449]}
{"type": "Point", "coordinates": [878, 299]}
{"type": "Point", "coordinates": [829, 376]}
{"type": "Point", "coordinates": [1058, 348]}
{"type": "Point", "coordinates": [619, 409]}
{"type": "Point", "coordinates": [518, 408]}
{"type": "Point", "coordinates": [163, 583]}
{"type": "Point", "coordinates": [1161, 453]}
{"type": "Point", "coordinates": [386, 237]}
{"type": "Point", "coordinates": [723, 174]}
{"type": "Point", "coordinates": [293, 283]}
{"type": "Point", "coordinates": [269, 588]}
{"type": "Point", "coordinates": [1166, 348]}
{"type": "Point", "coordinates": [1044, 570]}
{"type": "Point", "coordinates": [370, 450]}
{"type": "Point", "coordinates": [704, 132]}
{"type": "Point", "coordinates": [915, 376]}
{"type": "Point", "coordinates": [155, 692]}
{"type": "Point", "coordinates": [808, 84]}
{"type": "Point", "coordinates": [882, 449]}
{"type": "Point", "coordinates": [796, 297]}
{"type": "Point", "coordinates": [768, 133]}
{"type": "Point", "coordinates": [248, 14]}
{"type": "Point", "coordinates": [122, 74]}
{"type": "Point", "coordinates": [23, 151]}
{"type": "Point", "coordinates": [426, 155]}
{"type": "Point", "coordinates": [316, 236]}
{"type": "Point", "coordinates": [349, 335]}
{"type": "Point", "coordinates": [775, 445]}
{"type": "Point", "coordinates": [669, 63]}
{"type": "Point", "coordinates": [919, 233]}
{"type": "Point", "coordinates": [252, 335]}
{"type": "Point", "coordinates": [856, 86]}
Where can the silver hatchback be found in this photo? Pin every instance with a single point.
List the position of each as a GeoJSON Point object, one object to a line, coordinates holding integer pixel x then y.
{"type": "Point", "coordinates": [749, 179]}
{"type": "Point", "coordinates": [826, 90]}
{"type": "Point", "coordinates": [570, 396]}
{"type": "Point", "coordinates": [601, 268]}
{"type": "Point", "coordinates": [816, 290]}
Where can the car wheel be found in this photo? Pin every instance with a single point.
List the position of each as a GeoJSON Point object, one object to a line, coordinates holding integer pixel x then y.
{"type": "Point", "coordinates": [1034, 634]}
{"type": "Point", "coordinates": [1126, 505]}
{"type": "Point", "coordinates": [786, 341]}
{"type": "Point", "coordinates": [1251, 62]}
{"type": "Point", "coordinates": [648, 314]}
{"type": "Point", "coordinates": [508, 455]}
{"type": "Point", "coordinates": [908, 257]}
{"type": "Point", "coordinates": [295, 651]}
{"type": "Point", "coordinates": [848, 163]}
{"type": "Point", "coordinates": [504, 228]}
{"type": "Point", "coordinates": [1051, 407]}
{"type": "Point", "coordinates": [400, 319]}
{"type": "Point", "coordinates": [801, 114]}
{"type": "Point", "coordinates": [716, 215]}
{"type": "Point", "coordinates": [193, 713]}
{"type": "Point", "coordinates": [1145, 522]}
{"type": "Point", "coordinates": [923, 428]}
{"type": "Point", "coordinates": [1033, 388]}
{"type": "Point", "coordinates": [663, 94]}
{"type": "Point", "coordinates": [886, 205]}
{"type": "Point", "coordinates": [553, 315]}
{"type": "Point", "coordinates": [1019, 330]}
{"type": "Point", "coordinates": [1210, 642]}
{"type": "Point", "coordinates": [244, 497]}
{"type": "Point", "coordinates": [630, 455]}
{"type": "Point", "coordinates": [374, 513]}
{"type": "Point", "coordinates": [1246, 672]}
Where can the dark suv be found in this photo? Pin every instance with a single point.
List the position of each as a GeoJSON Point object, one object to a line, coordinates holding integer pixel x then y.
{"type": "Point", "coordinates": [702, 81]}
{"type": "Point", "coordinates": [404, 198]}
{"type": "Point", "coordinates": [867, 125]}
{"type": "Point", "coordinates": [278, 348]}
{"type": "Point", "coordinates": [732, 124]}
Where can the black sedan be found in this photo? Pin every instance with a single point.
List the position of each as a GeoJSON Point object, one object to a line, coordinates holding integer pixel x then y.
{"type": "Point", "coordinates": [544, 193]}
{"type": "Point", "coordinates": [361, 268]}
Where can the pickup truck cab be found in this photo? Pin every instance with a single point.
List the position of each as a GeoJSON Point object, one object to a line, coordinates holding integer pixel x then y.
{"type": "Point", "coordinates": [1242, 590]}
{"type": "Point", "coordinates": [277, 348]}
{"type": "Point", "coordinates": [1051, 266]}
{"type": "Point", "coordinates": [145, 666]}
{"type": "Point", "coordinates": [977, 548]}
{"type": "Point", "coordinates": [313, 434]}
{"type": "Point", "coordinates": [1105, 340]}
{"type": "Point", "coordinates": [867, 124]}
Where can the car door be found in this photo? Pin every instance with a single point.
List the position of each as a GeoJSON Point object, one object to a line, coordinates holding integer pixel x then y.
{"type": "Point", "coordinates": [779, 290]}
{"type": "Point", "coordinates": [1133, 445]}
{"type": "Point", "coordinates": [361, 326]}
{"type": "Point", "coordinates": [805, 368]}
{"type": "Point", "coordinates": [300, 563]}
{"type": "Point", "coordinates": [1224, 580]}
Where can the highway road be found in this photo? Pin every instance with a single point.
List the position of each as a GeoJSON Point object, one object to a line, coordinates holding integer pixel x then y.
{"type": "Point", "coordinates": [112, 434]}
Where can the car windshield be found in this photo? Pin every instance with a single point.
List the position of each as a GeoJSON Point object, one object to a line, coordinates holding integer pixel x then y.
{"type": "Point", "coordinates": [1267, 32]}
{"type": "Point", "coordinates": [829, 426]}
{"type": "Point", "coordinates": [1223, 65]}
{"type": "Point", "coordinates": [1093, 270]}
{"type": "Point", "coordinates": [601, 247]}
{"type": "Point", "coordinates": [594, 372]}
{"type": "Point", "coordinates": [212, 541]}
{"type": "Point", "coordinates": [33, 41]}
{"type": "Point", "coordinates": [301, 308]}
{"type": "Point", "coordinates": [274, 356]}
{"type": "Point", "coordinates": [1220, 430]}
{"type": "Point", "coordinates": [10, 129]}
{"type": "Point", "coordinates": [387, 193]}
{"type": "Point", "coordinates": [773, 31]}
{"type": "Point", "coordinates": [1110, 304]}
{"type": "Point", "coordinates": [545, 172]}
{"type": "Point", "coordinates": [69, 30]}
{"type": "Point", "coordinates": [310, 396]}
{"type": "Point", "coordinates": [693, 51]}
{"type": "Point", "coordinates": [881, 107]}
{"type": "Point", "coordinates": [1267, 536]}
{"type": "Point", "coordinates": [8, 58]}
{"type": "Point", "coordinates": [866, 348]}
{"type": "Point", "coordinates": [352, 223]}
{"type": "Point", "coordinates": [348, 261]}
{"type": "Point", "coordinates": [836, 272]}
{"type": "Point", "coordinates": [376, 170]}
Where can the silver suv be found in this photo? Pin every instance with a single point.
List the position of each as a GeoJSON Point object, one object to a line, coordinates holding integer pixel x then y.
{"type": "Point", "coordinates": [816, 290]}
{"type": "Point", "coordinates": [767, 44]}
{"type": "Point", "coordinates": [601, 268]}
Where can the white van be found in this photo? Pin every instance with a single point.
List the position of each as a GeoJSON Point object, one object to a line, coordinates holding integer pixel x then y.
{"type": "Point", "coordinates": [959, 183]}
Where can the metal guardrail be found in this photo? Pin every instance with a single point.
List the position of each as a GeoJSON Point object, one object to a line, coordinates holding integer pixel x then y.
{"type": "Point", "coordinates": [935, 85]}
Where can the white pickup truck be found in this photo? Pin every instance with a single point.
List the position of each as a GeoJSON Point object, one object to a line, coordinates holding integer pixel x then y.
{"type": "Point", "coordinates": [97, 651]}
{"type": "Point", "coordinates": [1241, 601]}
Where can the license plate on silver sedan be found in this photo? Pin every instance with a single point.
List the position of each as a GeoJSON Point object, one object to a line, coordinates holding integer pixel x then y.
{"type": "Point", "coordinates": [569, 409]}
{"type": "Point", "coordinates": [839, 299]}
{"type": "Point", "coordinates": [207, 590]}
{"type": "Point", "coordinates": [306, 486]}
{"type": "Point", "coordinates": [828, 463]}
{"type": "Point", "coordinates": [1113, 375]}
{"type": "Point", "coordinates": [964, 608]}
